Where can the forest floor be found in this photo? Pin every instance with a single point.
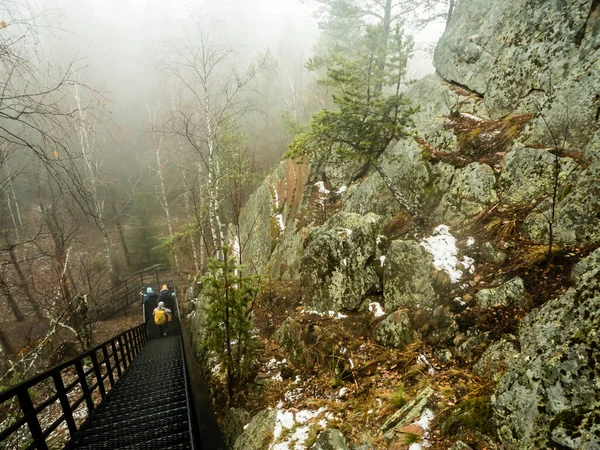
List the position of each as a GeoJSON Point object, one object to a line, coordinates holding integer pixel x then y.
{"type": "Point", "coordinates": [105, 329]}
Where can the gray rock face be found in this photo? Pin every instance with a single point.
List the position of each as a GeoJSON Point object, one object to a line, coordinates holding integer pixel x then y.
{"type": "Point", "coordinates": [584, 266]}
{"type": "Point", "coordinates": [437, 101]}
{"type": "Point", "coordinates": [337, 267]}
{"type": "Point", "coordinates": [407, 276]}
{"type": "Point", "coordinates": [529, 174]}
{"type": "Point", "coordinates": [471, 191]}
{"type": "Point", "coordinates": [521, 54]}
{"type": "Point", "coordinates": [405, 166]}
{"type": "Point", "coordinates": [233, 425]}
{"type": "Point", "coordinates": [577, 212]}
{"type": "Point", "coordinates": [259, 433]}
{"type": "Point", "coordinates": [491, 253]}
{"type": "Point", "coordinates": [552, 386]}
{"type": "Point", "coordinates": [510, 293]}
{"type": "Point", "coordinates": [395, 330]}
{"type": "Point", "coordinates": [331, 439]}
{"type": "Point", "coordinates": [495, 360]}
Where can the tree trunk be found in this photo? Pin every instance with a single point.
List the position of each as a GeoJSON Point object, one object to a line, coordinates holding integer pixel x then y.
{"type": "Point", "coordinates": [386, 25]}
{"type": "Point", "coordinates": [119, 226]}
{"type": "Point", "coordinates": [12, 216]}
{"type": "Point", "coordinates": [213, 183]}
{"type": "Point", "coordinates": [165, 204]}
{"type": "Point", "coordinates": [23, 279]}
{"type": "Point", "coordinates": [5, 345]}
{"type": "Point", "coordinates": [12, 304]}
{"type": "Point", "coordinates": [188, 210]}
{"type": "Point", "coordinates": [398, 196]}
{"type": "Point", "coordinates": [117, 221]}
{"type": "Point", "coordinates": [114, 277]}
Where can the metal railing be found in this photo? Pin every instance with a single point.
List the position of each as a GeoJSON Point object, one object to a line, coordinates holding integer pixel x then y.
{"type": "Point", "coordinates": [92, 374]}
{"type": "Point", "coordinates": [120, 297]}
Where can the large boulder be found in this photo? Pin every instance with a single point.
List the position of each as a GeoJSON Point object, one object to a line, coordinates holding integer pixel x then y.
{"type": "Point", "coordinates": [530, 174]}
{"type": "Point", "coordinates": [267, 224]}
{"type": "Point", "coordinates": [233, 425]}
{"type": "Point", "coordinates": [495, 360]}
{"type": "Point", "coordinates": [550, 393]}
{"type": "Point", "coordinates": [471, 191]}
{"type": "Point", "coordinates": [338, 266]}
{"type": "Point", "coordinates": [408, 171]}
{"type": "Point", "coordinates": [407, 276]}
{"type": "Point", "coordinates": [507, 294]}
{"type": "Point", "coordinates": [259, 433]}
{"type": "Point", "coordinates": [395, 330]}
{"type": "Point", "coordinates": [331, 439]}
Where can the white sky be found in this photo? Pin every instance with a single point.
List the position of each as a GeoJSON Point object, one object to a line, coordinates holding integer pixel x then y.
{"type": "Point", "coordinates": [121, 40]}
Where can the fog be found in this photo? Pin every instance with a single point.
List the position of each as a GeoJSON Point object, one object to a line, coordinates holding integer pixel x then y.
{"type": "Point", "coordinates": [121, 42]}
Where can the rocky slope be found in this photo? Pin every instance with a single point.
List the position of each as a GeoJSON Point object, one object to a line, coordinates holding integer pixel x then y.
{"type": "Point", "coordinates": [505, 140]}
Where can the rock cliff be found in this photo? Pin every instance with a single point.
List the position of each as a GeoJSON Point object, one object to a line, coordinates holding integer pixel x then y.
{"type": "Point", "coordinates": [505, 150]}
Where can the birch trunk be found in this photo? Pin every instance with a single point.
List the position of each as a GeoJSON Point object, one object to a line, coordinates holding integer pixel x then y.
{"type": "Point", "coordinates": [165, 203]}
{"type": "Point", "coordinates": [188, 210]}
{"type": "Point", "coordinates": [213, 182]}
{"type": "Point", "coordinates": [186, 197]}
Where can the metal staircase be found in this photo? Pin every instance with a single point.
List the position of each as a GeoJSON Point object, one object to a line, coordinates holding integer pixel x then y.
{"type": "Point", "coordinates": [149, 407]}
{"type": "Point", "coordinates": [136, 391]}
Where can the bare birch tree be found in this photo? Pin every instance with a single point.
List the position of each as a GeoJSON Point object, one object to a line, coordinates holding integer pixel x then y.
{"type": "Point", "coordinates": [213, 95]}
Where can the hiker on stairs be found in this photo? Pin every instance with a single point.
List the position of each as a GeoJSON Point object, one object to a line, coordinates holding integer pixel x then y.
{"type": "Point", "coordinates": [161, 316]}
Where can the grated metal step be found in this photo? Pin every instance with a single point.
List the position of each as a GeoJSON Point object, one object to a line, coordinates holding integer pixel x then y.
{"type": "Point", "coordinates": [147, 409]}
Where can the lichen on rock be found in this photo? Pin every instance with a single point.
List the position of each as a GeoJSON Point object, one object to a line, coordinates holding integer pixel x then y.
{"type": "Point", "coordinates": [407, 276]}
{"type": "Point", "coordinates": [338, 266]}
{"type": "Point", "coordinates": [471, 191]}
{"type": "Point", "coordinates": [556, 370]}
{"type": "Point", "coordinates": [509, 293]}
{"type": "Point", "coordinates": [395, 330]}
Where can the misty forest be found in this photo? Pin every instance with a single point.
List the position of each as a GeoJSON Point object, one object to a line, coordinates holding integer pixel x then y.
{"type": "Point", "coordinates": [300, 224]}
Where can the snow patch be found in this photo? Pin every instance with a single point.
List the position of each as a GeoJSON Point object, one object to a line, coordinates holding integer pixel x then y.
{"type": "Point", "coordinates": [299, 423]}
{"type": "Point", "coordinates": [422, 359]}
{"type": "Point", "coordinates": [276, 196]}
{"type": "Point", "coordinates": [442, 246]}
{"type": "Point", "coordinates": [322, 188]}
{"type": "Point", "coordinates": [471, 116]}
{"type": "Point", "coordinates": [382, 260]}
{"type": "Point", "coordinates": [279, 218]}
{"type": "Point", "coordinates": [341, 190]}
{"type": "Point", "coordinates": [376, 309]}
{"type": "Point", "coordinates": [330, 314]}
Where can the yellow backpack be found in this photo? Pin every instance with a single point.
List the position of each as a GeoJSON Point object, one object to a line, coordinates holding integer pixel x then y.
{"type": "Point", "coordinates": [160, 317]}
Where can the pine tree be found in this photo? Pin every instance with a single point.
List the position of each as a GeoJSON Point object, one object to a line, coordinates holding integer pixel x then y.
{"type": "Point", "coordinates": [372, 110]}
{"type": "Point", "coordinates": [230, 294]}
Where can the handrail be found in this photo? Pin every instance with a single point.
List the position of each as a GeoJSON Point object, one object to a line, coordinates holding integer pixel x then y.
{"type": "Point", "coordinates": [126, 345]}
{"type": "Point", "coordinates": [120, 297]}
